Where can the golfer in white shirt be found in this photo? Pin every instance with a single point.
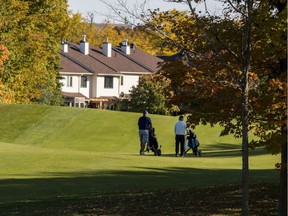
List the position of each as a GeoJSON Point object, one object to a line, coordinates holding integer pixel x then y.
{"type": "Point", "coordinates": [180, 129]}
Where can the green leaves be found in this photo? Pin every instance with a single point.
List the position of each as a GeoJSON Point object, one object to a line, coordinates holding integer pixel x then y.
{"type": "Point", "coordinates": [152, 94]}
{"type": "Point", "coordinates": [32, 31]}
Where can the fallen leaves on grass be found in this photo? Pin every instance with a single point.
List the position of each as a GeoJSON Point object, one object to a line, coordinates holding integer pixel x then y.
{"type": "Point", "coordinates": [217, 200]}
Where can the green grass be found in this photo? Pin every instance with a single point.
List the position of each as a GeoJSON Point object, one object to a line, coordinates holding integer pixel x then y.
{"type": "Point", "coordinates": [51, 152]}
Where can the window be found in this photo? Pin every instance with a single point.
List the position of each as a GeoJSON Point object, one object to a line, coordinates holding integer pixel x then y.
{"type": "Point", "coordinates": [108, 82]}
{"type": "Point", "coordinates": [69, 81]}
{"type": "Point", "coordinates": [121, 80]}
{"type": "Point", "coordinates": [83, 81]}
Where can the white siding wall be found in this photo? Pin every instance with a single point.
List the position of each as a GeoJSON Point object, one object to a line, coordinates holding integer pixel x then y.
{"type": "Point", "coordinates": [76, 85]}
{"type": "Point", "coordinates": [109, 92]}
{"type": "Point", "coordinates": [95, 86]}
{"type": "Point", "coordinates": [73, 88]}
{"type": "Point", "coordinates": [86, 91]}
{"type": "Point", "coordinates": [128, 82]}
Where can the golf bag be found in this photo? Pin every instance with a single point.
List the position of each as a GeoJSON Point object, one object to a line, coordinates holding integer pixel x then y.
{"type": "Point", "coordinates": [193, 143]}
{"type": "Point", "coordinates": [153, 143]}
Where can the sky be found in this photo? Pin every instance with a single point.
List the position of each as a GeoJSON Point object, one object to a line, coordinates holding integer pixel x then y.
{"type": "Point", "coordinates": [98, 7]}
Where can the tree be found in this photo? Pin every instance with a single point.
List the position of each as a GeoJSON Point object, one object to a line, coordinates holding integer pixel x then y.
{"type": "Point", "coordinates": [152, 94]}
{"type": "Point", "coordinates": [237, 62]}
{"type": "Point", "coordinates": [6, 96]}
{"type": "Point", "coordinates": [97, 33]}
{"type": "Point", "coordinates": [76, 27]}
{"type": "Point", "coordinates": [134, 15]}
{"type": "Point", "coordinates": [238, 67]}
{"type": "Point", "coordinates": [32, 31]}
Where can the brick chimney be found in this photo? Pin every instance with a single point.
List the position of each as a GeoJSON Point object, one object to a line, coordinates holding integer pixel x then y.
{"type": "Point", "coordinates": [124, 47]}
{"type": "Point", "coordinates": [84, 46]}
{"type": "Point", "coordinates": [107, 48]}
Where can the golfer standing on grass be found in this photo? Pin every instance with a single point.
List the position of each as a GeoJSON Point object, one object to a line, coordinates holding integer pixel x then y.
{"type": "Point", "coordinates": [179, 130]}
{"type": "Point", "coordinates": [144, 125]}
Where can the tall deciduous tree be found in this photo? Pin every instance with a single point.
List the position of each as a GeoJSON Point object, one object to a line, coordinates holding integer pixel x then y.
{"type": "Point", "coordinates": [97, 33]}
{"type": "Point", "coordinates": [234, 72]}
{"type": "Point", "coordinates": [236, 76]}
{"type": "Point", "coordinates": [6, 96]}
{"type": "Point", "coordinates": [32, 31]}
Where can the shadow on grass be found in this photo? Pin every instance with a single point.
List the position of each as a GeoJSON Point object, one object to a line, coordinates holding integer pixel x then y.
{"type": "Point", "coordinates": [65, 185]}
{"type": "Point", "coordinates": [220, 150]}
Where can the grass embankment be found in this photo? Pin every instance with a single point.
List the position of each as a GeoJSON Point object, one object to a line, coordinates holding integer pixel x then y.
{"type": "Point", "coordinates": [61, 152]}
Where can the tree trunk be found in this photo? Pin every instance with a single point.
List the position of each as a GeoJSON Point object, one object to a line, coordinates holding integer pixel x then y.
{"type": "Point", "coordinates": [282, 209]}
{"type": "Point", "coordinates": [246, 53]}
{"type": "Point", "coordinates": [245, 155]}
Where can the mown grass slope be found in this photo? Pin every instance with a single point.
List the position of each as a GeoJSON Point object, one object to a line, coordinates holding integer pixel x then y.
{"type": "Point", "coordinates": [92, 130]}
{"type": "Point", "coordinates": [51, 152]}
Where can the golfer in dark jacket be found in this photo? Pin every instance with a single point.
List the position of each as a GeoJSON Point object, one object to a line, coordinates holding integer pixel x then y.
{"type": "Point", "coordinates": [144, 125]}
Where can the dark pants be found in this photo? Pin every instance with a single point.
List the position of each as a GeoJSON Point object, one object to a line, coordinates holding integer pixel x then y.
{"type": "Point", "coordinates": [179, 139]}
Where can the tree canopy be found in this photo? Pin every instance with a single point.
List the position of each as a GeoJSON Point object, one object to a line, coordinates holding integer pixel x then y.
{"type": "Point", "coordinates": [32, 31]}
{"type": "Point", "coordinates": [233, 72]}
{"type": "Point", "coordinates": [152, 93]}
{"type": "Point", "coordinates": [208, 79]}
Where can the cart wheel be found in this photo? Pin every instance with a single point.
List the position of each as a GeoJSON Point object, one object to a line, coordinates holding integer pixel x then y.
{"type": "Point", "coordinates": [159, 152]}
